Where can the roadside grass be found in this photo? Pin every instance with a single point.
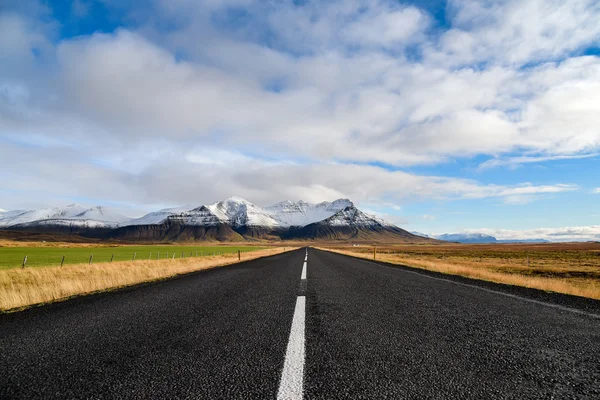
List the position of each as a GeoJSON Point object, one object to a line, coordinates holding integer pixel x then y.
{"type": "Point", "coordinates": [24, 287]}
{"type": "Point", "coordinates": [573, 270]}
{"type": "Point", "coordinates": [51, 254]}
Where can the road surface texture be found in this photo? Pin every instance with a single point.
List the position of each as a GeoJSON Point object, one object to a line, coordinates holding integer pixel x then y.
{"type": "Point", "coordinates": [291, 326]}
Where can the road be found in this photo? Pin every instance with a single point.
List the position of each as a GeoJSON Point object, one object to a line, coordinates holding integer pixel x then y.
{"type": "Point", "coordinates": [333, 327]}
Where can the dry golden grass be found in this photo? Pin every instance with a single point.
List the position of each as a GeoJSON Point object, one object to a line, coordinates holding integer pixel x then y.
{"type": "Point", "coordinates": [24, 287]}
{"type": "Point", "coordinates": [549, 274]}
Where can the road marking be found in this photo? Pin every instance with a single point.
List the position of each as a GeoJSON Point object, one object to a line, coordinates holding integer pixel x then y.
{"type": "Point", "coordinates": [303, 271]}
{"type": "Point", "coordinates": [292, 376]}
{"type": "Point", "coordinates": [514, 296]}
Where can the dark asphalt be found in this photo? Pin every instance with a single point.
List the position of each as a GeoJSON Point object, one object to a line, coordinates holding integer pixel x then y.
{"type": "Point", "coordinates": [372, 332]}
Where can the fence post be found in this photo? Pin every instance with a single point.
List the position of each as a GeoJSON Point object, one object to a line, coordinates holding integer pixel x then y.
{"type": "Point", "coordinates": [239, 255]}
{"type": "Point", "coordinates": [63, 261]}
{"type": "Point", "coordinates": [182, 254]}
{"type": "Point", "coordinates": [90, 262]}
{"type": "Point", "coordinates": [158, 255]}
{"type": "Point", "coordinates": [133, 259]}
{"type": "Point", "coordinates": [528, 263]}
{"type": "Point", "coordinates": [24, 262]}
{"type": "Point", "coordinates": [173, 256]}
{"type": "Point", "coordinates": [111, 257]}
{"type": "Point", "coordinates": [374, 252]}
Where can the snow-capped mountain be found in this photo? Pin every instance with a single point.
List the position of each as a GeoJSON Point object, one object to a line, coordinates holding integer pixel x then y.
{"type": "Point", "coordinates": [301, 213]}
{"type": "Point", "coordinates": [230, 219]}
{"type": "Point", "coordinates": [467, 238]}
{"type": "Point", "coordinates": [100, 213]}
{"type": "Point", "coordinates": [352, 224]}
{"type": "Point", "coordinates": [237, 212]}
{"type": "Point", "coordinates": [157, 217]}
{"type": "Point", "coordinates": [25, 216]}
{"type": "Point", "coordinates": [352, 216]}
{"type": "Point", "coordinates": [482, 238]}
{"type": "Point", "coordinates": [71, 215]}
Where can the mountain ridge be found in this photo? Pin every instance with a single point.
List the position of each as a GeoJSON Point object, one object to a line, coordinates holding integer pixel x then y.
{"type": "Point", "coordinates": [232, 219]}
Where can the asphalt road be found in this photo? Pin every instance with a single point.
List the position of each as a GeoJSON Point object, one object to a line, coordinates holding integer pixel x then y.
{"type": "Point", "coordinates": [351, 329]}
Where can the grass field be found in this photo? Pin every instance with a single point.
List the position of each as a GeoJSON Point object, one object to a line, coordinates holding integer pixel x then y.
{"type": "Point", "coordinates": [28, 286]}
{"type": "Point", "coordinates": [571, 268]}
{"type": "Point", "coordinates": [51, 255]}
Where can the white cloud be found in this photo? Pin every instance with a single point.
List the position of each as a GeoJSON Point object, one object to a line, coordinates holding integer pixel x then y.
{"type": "Point", "coordinates": [596, 190]}
{"type": "Point", "coordinates": [165, 178]}
{"type": "Point", "coordinates": [564, 234]}
{"type": "Point", "coordinates": [278, 120]}
{"type": "Point", "coordinates": [518, 32]}
{"type": "Point", "coordinates": [514, 162]}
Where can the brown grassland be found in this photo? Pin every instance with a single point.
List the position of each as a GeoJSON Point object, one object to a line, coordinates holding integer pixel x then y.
{"type": "Point", "coordinates": [24, 287]}
{"type": "Point", "coordinates": [570, 268]}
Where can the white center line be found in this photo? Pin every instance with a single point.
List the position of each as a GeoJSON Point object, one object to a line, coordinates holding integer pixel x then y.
{"type": "Point", "coordinates": [290, 386]}
{"type": "Point", "coordinates": [303, 271]}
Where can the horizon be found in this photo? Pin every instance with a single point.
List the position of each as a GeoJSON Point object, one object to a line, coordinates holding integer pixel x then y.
{"type": "Point", "coordinates": [438, 116]}
{"type": "Point", "coordinates": [566, 234]}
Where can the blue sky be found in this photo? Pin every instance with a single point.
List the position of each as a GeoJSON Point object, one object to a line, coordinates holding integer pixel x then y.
{"type": "Point", "coordinates": [441, 116]}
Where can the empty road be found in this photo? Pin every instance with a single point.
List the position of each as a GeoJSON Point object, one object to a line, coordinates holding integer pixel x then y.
{"type": "Point", "coordinates": [305, 324]}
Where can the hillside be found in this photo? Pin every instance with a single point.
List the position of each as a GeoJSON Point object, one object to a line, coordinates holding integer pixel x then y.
{"type": "Point", "coordinates": [233, 219]}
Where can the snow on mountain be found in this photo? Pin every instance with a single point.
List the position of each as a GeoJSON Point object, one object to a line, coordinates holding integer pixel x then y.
{"type": "Point", "coordinates": [352, 216]}
{"type": "Point", "coordinates": [25, 216]}
{"type": "Point", "coordinates": [100, 213]}
{"type": "Point", "coordinates": [420, 234]}
{"type": "Point", "coordinates": [159, 216]}
{"type": "Point", "coordinates": [2, 210]}
{"type": "Point", "coordinates": [301, 213]}
{"type": "Point", "coordinates": [467, 238]}
{"type": "Point", "coordinates": [234, 211]}
{"type": "Point", "coordinates": [200, 216]}
{"type": "Point", "coordinates": [70, 222]}
{"type": "Point", "coordinates": [71, 215]}
{"type": "Point", "coordinates": [474, 238]}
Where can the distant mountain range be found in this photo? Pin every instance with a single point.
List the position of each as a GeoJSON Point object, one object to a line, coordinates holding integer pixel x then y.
{"type": "Point", "coordinates": [234, 219]}
{"type": "Point", "coordinates": [474, 238]}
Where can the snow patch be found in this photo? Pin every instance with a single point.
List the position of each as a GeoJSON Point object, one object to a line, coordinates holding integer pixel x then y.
{"type": "Point", "coordinates": [69, 215]}
{"type": "Point", "coordinates": [160, 216]}
{"type": "Point", "coordinates": [301, 213]}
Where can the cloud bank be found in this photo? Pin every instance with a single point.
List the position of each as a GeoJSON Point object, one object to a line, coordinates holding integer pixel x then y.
{"type": "Point", "coordinates": [315, 100]}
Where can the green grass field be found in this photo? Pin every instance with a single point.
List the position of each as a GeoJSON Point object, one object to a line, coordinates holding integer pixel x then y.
{"type": "Point", "coordinates": [12, 257]}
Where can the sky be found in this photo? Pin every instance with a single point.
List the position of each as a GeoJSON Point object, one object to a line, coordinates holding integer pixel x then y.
{"type": "Point", "coordinates": [440, 116]}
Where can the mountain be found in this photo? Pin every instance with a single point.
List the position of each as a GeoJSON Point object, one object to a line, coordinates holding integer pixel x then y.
{"type": "Point", "coordinates": [301, 213]}
{"type": "Point", "coordinates": [159, 216]}
{"type": "Point", "coordinates": [481, 238]}
{"type": "Point", "coordinates": [524, 241]}
{"type": "Point", "coordinates": [467, 238]}
{"type": "Point", "coordinates": [233, 219]}
{"type": "Point", "coordinates": [102, 214]}
{"type": "Point", "coordinates": [74, 215]}
{"type": "Point", "coordinates": [420, 234]}
{"type": "Point", "coordinates": [25, 216]}
{"type": "Point", "coordinates": [352, 224]}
